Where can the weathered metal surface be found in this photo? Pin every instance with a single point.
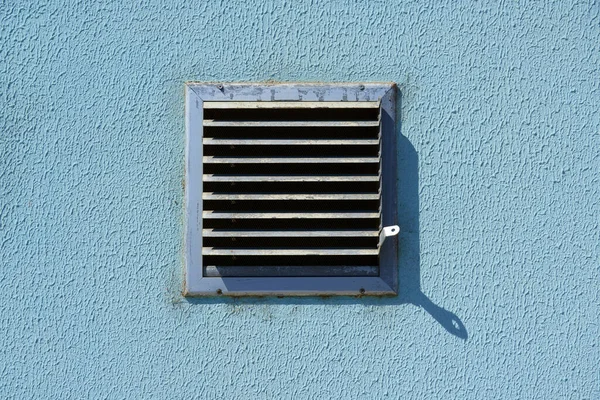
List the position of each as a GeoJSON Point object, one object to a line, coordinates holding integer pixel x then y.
{"type": "Point", "coordinates": [291, 270]}
{"type": "Point", "coordinates": [288, 252]}
{"type": "Point", "coordinates": [309, 124]}
{"type": "Point", "coordinates": [193, 192]}
{"type": "Point", "coordinates": [291, 196]}
{"type": "Point", "coordinates": [290, 142]}
{"type": "Point", "coordinates": [297, 211]}
{"type": "Point", "coordinates": [289, 160]}
{"type": "Point", "coordinates": [388, 252]}
{"type": "Point", "coordinates": [211, 105]}
{"type": "Point", "coordinates": [287, 215]}
{"type": "Point", "coordinates": [290, 286]}
{"type": "Point", "coordinates": [291, 178]}
{"type": "Point", "coordinates": [304, 92]}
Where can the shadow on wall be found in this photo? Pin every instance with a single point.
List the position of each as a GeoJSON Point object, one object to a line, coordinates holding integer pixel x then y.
{"type": "Point", "coordinates": [409, 255]}
{"type": "Point", "coordinates": [409, 243]}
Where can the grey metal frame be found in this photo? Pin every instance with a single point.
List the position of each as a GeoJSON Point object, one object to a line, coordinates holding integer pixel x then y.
{"type": "Point", "coordinates": [198, 285]}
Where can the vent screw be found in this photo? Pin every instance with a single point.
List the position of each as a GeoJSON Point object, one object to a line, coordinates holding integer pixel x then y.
{"type": "Point", "coordinates": [361, 87]}
{"type": "Point", "coordinates": [219, 291]}
{"type": "Point", "coordinates": [220, 87]}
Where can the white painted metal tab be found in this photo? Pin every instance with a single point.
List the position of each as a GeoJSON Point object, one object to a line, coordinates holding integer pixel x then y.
{"type": "Point", "coordinates": [387, 232]}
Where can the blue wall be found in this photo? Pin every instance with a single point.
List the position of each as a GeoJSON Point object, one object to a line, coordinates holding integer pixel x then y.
{"type": "Point", "coordinates": [499, 189]}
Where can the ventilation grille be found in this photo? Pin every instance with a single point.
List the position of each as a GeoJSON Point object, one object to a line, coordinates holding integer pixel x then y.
{"type": "Point", "coordinates": [291, 189]}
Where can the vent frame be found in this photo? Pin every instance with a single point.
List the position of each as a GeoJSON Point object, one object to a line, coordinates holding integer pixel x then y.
{"type": "Point", "coordinates": [196, 284]}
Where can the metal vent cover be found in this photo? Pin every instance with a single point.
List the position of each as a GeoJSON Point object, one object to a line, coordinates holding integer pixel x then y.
{"type": "Point", "coordinates": [290, 188]}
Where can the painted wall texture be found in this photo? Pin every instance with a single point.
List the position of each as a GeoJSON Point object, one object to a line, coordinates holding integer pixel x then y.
{"type": "Point", "coordinates": [499, 202]}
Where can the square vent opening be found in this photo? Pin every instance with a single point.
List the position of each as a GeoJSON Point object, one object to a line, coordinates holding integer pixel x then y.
{"type": "Point", "coordinates": [290, 196]}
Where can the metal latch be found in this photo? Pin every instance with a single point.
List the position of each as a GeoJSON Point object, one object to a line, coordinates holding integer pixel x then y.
{"type": "Point", "coordinates": [388, 231]}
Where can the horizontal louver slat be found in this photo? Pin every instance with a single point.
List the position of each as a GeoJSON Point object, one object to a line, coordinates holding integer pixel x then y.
{"type": "Point", "coordinates": [288, 160]}
{"type": "Point", "coordinates": [249, 215]}
{"type": "Point", "coordinates": [291, 189]}
{"type": "Point", "coordinates": [294, 178]}
{"type": "Point", "coordinates": [242, 124]}
{"type": "Point", "coordinates": [289, 142]}
{"type": "Point", "coordinates": [298, 196]}
{"type": "Point", "coordinates": [288, 252]}
{"type": "Point", "coordinates": [266, 233]}
{"type": "Point", "coordinates": [237, 105]}
{"type": "Point", "coordinates": [293, 270]}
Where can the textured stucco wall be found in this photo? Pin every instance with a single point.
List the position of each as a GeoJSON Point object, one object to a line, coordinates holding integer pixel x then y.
{"type": "Point", "coordinates": [500, 202]}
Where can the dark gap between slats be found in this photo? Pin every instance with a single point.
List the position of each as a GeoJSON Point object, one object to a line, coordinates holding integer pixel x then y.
{"type": "Point", "coordinates": [291, 242]}
{"type": "Point", "coordinates": [292, 169]}
{"type": "Point", "coordinates": [290, 260]}
{"type": "Point", "coordinates": [292, 224]}
{"type": "Point", "coordinates": [291, 132]}
{"type": "Point", "coordinates": [291, 187]}
{"type": "Point", "coordinates": [292, 151]}
{"type": "Point", "coordinates": [293, 114]}
{"type": "Point", "coordinates": [290, 271]}
{"type": "Point", "coordinates": [291, 205]}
